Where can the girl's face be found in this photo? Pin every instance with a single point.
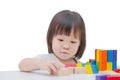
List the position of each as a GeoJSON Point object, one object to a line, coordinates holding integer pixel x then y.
{"type": "Point", "coordinates": [65, 47]}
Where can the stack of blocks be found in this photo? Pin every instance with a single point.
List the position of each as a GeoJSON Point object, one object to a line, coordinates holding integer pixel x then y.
{"type": "Point", "coordinates": [105, 60]}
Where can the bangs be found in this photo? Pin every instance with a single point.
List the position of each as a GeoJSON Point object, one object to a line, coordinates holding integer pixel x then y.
{"type": "Point", "coordinates": [67, 29]}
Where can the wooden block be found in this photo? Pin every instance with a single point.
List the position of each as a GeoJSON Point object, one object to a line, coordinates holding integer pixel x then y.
{"type": "Point", "coordinates": [88, 69]}
{"type": "Point", "coordinates": [117, 70]}
{"type": "Point", "coordinates": [113, 77]}
{"type": "Point", "coordinates": [103, 56]}
{"type": "Point", "coordinates": [109, 66]}
{"type": "Point", "coordinates": [94, 68]}
{"type": "Point", "coordinates": [79, 65]}
{"type": "Point", "coordinates": [70, 65]}
{"type": "Point", "coordinates": [63, 72]}
{"type": "Point", "coordinates": [71, 70]}
{"type": "Point", "coordinates": [101, 77]}
{"type": "Point", "coordinates": [80, 70]}
{"type": "Point", "coordinates": [103, 66]}
{"type": "Point", "coordinates": [97, 54]}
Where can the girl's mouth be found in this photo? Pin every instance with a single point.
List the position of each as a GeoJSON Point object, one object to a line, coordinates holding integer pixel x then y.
{"type": "Point", "coordinates": [65, 52]}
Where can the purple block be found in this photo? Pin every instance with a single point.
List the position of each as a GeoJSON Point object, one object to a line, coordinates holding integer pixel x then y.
{"type": "Point", "coordinates": [101, 77]}
{"type": "Point", "coordinates": [114, 65]}
{"type": "Point", "coordinates": [115, 55]}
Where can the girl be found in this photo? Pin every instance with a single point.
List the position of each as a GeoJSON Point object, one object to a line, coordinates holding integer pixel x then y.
{"type": "Point", "coordinates": [66, 40]}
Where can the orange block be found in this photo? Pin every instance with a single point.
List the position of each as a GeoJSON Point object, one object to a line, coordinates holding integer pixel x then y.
{"type": "Point", "coordinates": [103, 66]}
{"type": "Point", "coordinates": [103, 56]}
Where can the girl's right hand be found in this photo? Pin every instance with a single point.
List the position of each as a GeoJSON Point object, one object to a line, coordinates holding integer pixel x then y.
{"type": "Point", "coordinates": [50, 65]}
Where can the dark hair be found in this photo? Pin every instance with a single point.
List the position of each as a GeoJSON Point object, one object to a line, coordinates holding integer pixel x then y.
{"type": "Point", "coordinates": [62, 23]}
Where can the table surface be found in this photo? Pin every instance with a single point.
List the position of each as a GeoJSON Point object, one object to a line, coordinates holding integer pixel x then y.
{"type": "Point", "coordinates": [38, 75]}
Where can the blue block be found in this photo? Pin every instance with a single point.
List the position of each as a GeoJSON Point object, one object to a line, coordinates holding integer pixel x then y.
{"type": "Point", "coordinates": [93, 62]}
{"type": "Point", "coordinates": [94, 68]}
{"type": "Point", "coordinates": [101, 77]}
{"type": "Point", "coordinates": [110, 55]}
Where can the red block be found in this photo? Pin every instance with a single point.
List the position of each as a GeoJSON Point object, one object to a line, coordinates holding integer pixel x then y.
{"type": "Point", "coordinates": [70, 65]}
{"type": "Point", "coordinates": [117, 70]}
{"type": "Point", "coordinates": [113, 78]}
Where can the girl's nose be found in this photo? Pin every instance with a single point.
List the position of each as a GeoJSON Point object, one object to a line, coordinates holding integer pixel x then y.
{"type": "Point", "coordinates": [66, 46]}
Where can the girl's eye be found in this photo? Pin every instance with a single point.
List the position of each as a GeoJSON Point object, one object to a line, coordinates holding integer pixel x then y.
{"type": "Point", "coordinates": [73, 42]}
{"type": "Point", "coordinates": [60, 39]}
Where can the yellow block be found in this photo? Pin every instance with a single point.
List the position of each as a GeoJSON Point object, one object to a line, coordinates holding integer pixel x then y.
{"type": "Point", "coordinates": [97, 55]}
{"type": "Point", "coordinates": [79, 65]}
{"type": "Point", "coordinates": [109, 66]}
{"type": "Point", "coordinates": [88, 69]}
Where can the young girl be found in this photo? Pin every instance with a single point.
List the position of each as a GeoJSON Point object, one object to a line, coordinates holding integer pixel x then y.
{"type": "Point", "coordinates": [66, 39]}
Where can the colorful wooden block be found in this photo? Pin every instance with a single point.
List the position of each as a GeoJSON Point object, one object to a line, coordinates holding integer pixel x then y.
{"type": "Point", "coordinates": [101, 77]}
{"type": "Point", "coordinates": [110, 55]}
{"type": "Point", "coordinates": [70, 65]}
{"type": "Point", "coordinates": [103, 56]}
{"type": "Point", "coordinates": [63, 72]}
{"type": "Point", "coordinates": [80, 70]}
{"type": "Point", "coordinates": [113, 77]}
{"type": "Point", "coordinates": [88, 68]}
{"type": "Point", "coordinates": [109, 66]}
{"type": "Point", "coordinates": [103, 66]}
{"type": "Point", "coordinates": [94, 68]}
{"type": "Point", "coordinates": [117, 70]}
{"type": "Point", "coordinates": [97, 54]}
{"type": "Point", "coordinates": [114, 65]}
{"type": "Point", "coordinates": [79, 65]}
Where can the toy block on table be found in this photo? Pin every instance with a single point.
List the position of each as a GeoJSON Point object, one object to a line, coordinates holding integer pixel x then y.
{"type": "Point", "coordinates": [101, 77]}
{"type": "Point", "coordinates": [103, 66]}
{"type": "Point", "coordinates": [97, 52]}
{"type": "Point", "coordinates": [70, 65]}
{"type": "Point", "coordinates": [112, 55]}
{"type": "Point", "coordinates": [103, 60]}
{"type": "Point", "coordinates": [117, 77]}
{"type": "Point", "coordinates": [63, 72]}
{"type": "Point", "coordinates": [94, 68]}
{"type": "Point", "coordinates": [88, 68]}
{"type": "Point", "coordinates": [109, 66]}
{"type": "Point", "coordinates": [78, 65]}
{"type": "Point", "coordinates": [80, 70]}
{"type": "Point", "coordinates": [117, 70]}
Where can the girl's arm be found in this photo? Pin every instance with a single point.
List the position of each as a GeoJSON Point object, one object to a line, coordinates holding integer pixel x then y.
{"type": "Point", "coordinates": [30, 64]}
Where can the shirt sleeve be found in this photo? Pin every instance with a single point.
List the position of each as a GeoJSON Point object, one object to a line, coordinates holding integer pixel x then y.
{"type": "Point", "coordinates": [48, 57]}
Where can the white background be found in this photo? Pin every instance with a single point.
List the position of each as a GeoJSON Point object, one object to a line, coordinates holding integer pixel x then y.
{"type": "Point", "coordinates": [24, 24]}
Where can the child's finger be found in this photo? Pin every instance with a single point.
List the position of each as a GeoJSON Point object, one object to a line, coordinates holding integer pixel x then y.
{"type": "Point", "coordinates": [52, 67]}
{"type": "Point", "coordinates": [56, 65]}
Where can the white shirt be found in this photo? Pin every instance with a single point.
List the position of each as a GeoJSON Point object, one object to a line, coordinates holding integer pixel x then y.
{"type": "Point", "coordinates": [50, 56]}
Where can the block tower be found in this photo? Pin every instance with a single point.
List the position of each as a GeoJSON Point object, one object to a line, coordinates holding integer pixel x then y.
{"type": "Point", "coordinates": [106, 59]}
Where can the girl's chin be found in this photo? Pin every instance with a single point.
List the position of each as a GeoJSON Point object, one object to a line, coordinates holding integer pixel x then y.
{"type": "Point", "coordinates": [63, 58]}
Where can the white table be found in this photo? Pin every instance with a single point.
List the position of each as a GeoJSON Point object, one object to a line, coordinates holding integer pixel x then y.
{"type": "Point", "coordinates": [42, 75]}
